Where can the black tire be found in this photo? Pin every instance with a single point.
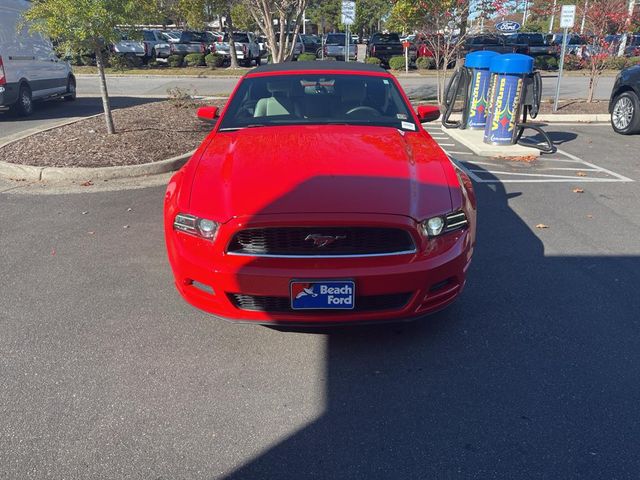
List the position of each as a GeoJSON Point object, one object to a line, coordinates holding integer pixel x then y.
{"type": "Point", "coordinates": [71, 90]}
{"type": "Point", "coordinates": [24, 106]}
{"type": "Point", "coordinates": [625, 114]}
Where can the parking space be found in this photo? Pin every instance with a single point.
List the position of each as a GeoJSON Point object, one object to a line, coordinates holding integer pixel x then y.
{"type": "Point", "coordinates": [567, 165]}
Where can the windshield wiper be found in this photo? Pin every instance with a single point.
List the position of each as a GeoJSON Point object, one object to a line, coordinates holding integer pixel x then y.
{"type": "Point", "coordinates": [252, 125]}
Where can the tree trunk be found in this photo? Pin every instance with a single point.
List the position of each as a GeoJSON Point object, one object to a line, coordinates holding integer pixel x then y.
{"type": "Point", "coordinates": [103, 91]}
{"type": "Point", "coordinates": [232, 44]}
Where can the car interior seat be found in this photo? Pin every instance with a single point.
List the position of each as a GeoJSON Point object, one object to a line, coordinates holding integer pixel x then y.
{"type": "Point", "coordinates": [352, 94]}
{"type": "Point", "coordinates": [280, 101]}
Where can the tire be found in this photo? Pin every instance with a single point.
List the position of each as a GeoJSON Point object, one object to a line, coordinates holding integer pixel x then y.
{"type": "Point", "coordinates": [625, 114]}
{"type": "Point", "coordinates": [71, 90]}
{"type": "Point", "coordinates": [24, 106]}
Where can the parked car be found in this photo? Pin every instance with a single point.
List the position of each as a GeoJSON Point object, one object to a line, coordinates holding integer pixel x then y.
{"type": "Point", "coordinates": [493, 42]}
{"type": "Point", "coordinates": [262, 44]}
{"type": "Point", "coordinates": [632, 48]}
{"type": "Point", "coordinates": [537, 43]}
{"type": "Point", "coordinates": [247, 48]}
{"type": "Point", "coordinates": [380, 230]}
{"type": "Point", "coordinates": [311, 44]}
{"type": "Point", "coordinates": [334, 46]}
{"type": "Point", "coordinates": [188, 42]}
{"type": "Point", "coordinates": [624, 105]}
{"type": "Point", "coordinates": [154, 42]}
{"type": "Point", "coordinates": [30, 70]}
{"type": "Point", "coordinates": [129, 47]}
{"type": "Point", "coordinates": [384, 46]}
{"type": "Point", "coordinates": [576, 44]}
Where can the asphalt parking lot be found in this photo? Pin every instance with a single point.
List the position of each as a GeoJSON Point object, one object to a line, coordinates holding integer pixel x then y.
{"type": "Point", "coordinates": [107, 373]}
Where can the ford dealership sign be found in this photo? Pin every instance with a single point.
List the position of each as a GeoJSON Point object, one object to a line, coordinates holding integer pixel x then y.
{"type": "Point", "coordinates": [508, 27]}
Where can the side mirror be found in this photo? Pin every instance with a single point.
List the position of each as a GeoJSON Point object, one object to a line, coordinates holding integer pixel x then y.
{"type": "Point", "coordinates": [207, 114]}
{"type": "Point", "coordinates": [428, 113]}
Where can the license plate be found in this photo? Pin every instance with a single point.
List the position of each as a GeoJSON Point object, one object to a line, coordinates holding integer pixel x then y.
{"type": "Point", "coordinates": [323, 295]}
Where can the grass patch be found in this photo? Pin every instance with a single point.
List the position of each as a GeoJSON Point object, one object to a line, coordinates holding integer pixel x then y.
{"type": "Point", "coordinates": [203, 72]}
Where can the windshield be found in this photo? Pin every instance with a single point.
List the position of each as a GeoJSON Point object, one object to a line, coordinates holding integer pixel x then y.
{"type": "Point", "coordinates": [317, 99]}
{"type": "Point", "coordinates": [193, 37]}
{"type": "Point", "coordinates": [237, 37]}
{"type": "Point", "coordinates": [337, 39]}
{"type": "Point", "coordinates": [389, 38]}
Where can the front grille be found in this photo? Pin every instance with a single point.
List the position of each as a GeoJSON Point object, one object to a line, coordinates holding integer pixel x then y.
{"type": "Point", "coordinates": [372, 303]}
{"type": "Point", "coordinates": [310, 241]}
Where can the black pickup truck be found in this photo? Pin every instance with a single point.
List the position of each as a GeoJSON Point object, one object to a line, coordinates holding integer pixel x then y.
{"type": "Point", "coordinates": [495, 43]}
{"type": "Point", "coordinates": [384, 46]}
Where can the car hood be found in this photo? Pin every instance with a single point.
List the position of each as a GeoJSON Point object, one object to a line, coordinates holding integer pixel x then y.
{"type": "Point", "coordinates": [321, 169]}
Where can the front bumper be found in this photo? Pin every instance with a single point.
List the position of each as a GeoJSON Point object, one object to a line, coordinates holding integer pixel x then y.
{"type": "Point", "coordinates": [433, 276]}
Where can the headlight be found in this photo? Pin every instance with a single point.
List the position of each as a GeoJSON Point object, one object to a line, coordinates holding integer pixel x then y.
{"type": "Point", "coordinates": [200, 227]}
{"type": "Point", "coordinates": [435, 226]}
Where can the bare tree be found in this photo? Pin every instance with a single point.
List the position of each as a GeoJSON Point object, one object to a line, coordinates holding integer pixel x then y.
{"type": "Point", "coordinates": [287, 14]}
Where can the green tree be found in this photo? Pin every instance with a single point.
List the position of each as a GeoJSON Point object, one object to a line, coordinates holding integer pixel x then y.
{"type": "Point", "coordinates": [81, 25]}
{"type": "Point", "coordinates": [242, 18]}
{"type": "Point", "coordinates": [324, 13]}
{"type": "Point", "coordinates": [370, 14]}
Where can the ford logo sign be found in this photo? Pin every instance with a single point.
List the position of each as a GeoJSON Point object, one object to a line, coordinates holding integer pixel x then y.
{"type": "Point", "coordinates": [508, 27]}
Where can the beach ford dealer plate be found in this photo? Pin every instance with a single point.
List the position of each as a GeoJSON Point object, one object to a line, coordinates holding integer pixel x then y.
{"type": "Point", "coordinates": [323, 295]}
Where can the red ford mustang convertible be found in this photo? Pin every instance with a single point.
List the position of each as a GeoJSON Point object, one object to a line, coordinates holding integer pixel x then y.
{"type": "Point", "coordinates": [319, 198]}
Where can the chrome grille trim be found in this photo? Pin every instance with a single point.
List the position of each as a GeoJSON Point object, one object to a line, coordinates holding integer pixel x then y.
{"type": "Point", "coordinates": [362, 255]}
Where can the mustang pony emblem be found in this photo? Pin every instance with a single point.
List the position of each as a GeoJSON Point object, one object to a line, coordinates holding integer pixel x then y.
{"type": "Point", "coordinates": [321, 241]}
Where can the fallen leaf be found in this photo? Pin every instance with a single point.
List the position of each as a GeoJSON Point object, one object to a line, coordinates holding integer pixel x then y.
{"type": "Point", "coordinates": [84, 213]}
{"type": "Point", "coordinates": [542, 225]}
{"type": "Point", "coordinates": [129, 209]}
{"type": "Point", "coordinates": [90, 233]}
{"type": "Point", "coordinates": [589, 216]}
{"type": "Point", "coordinates": [88, 183]}
{"type": "Point", "coordinates": [578, 190]}
{"type": "Point", "coordinates": [53, 251]}
{"type": "Point", "coordinates": [125, 226]}
{"type": "Point", "coordinates": [581, 174]}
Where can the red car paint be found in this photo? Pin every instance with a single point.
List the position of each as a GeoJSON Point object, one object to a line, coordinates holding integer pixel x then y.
{"type": "Point", "coordinates": [319, 176]}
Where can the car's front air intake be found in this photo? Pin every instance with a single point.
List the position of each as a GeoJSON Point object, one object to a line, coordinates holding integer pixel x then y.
{"type": "Point", "coordinates": [321, 242]}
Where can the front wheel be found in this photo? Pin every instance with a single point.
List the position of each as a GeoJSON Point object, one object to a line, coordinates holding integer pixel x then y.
{"type": "Point", "coordinates": [71, 90]}
{"type": "Point", "coordinates": [625, 114]}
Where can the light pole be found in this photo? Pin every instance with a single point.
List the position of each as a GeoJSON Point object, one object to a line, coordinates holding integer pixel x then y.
{"type": "Point", "coordinates": [526, 12]}
{"type": "Point", "coordinates": [553, 16]}
{"type": "Point", "coordinates": [584, 16]}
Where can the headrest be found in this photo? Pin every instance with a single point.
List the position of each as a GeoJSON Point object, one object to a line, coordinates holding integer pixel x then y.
{"type": "Point", "coordinates": [353, 91]}
{"type": "Point", "coordinates": [279, 86]}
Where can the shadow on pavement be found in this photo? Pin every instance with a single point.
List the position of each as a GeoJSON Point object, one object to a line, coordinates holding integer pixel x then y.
{"type": "Point", "coordinates": [533, 373]}
{"type": "Point", "coordinates": [82, 107]}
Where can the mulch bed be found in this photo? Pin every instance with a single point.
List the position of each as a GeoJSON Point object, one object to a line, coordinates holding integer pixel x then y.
{"type": "Point", "coordinates": [576, 107]}
{"type": "Point", "coordinates": [144, 133]}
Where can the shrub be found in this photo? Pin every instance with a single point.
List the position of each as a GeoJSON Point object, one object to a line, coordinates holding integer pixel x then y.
{"type": "Point", "coordinates": [181, 98]}
{"type": "Point", "coordinates": [397, 63]}
{"type": "Point", "coordinates": [546, 62]}
{"type": "Point", "coordinates": [425, 63]}
{"type": "Point", "coordinates": [306, 57]}
{"type": "Point", "coordinates": [118, 62]}
{"type": "Point", "coordinates": [194, 60]}
{"type": "Point", "coordinates": [572, 62]}
{"type": "Point", "coordinates": [616, 63]}
{"type": "Point", "coordinates": [174, 60]}
{"type": "Point", "coordinates": [634, 60]}
{"type": "Point", "coordinates": [214, 60]}
{"type": "Point", "coordinates": [373, 60]}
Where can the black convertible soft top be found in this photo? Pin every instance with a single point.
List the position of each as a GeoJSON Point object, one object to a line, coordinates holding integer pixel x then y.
{"type": "Point", "coordinates": [317, 65]}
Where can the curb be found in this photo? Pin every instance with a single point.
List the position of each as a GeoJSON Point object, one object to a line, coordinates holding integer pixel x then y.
{"type": "Point", "coordinates": [56, 174]}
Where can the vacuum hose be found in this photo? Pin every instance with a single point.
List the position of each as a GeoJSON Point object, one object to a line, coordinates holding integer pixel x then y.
{"type": "Point", "coordinates": [547, 146]}
{"type": "Point", "coordinates": [459, 81]}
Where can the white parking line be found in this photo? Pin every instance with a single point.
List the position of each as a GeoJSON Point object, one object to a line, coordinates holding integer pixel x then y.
{"type": "Point", "coordinates": [499, 173]}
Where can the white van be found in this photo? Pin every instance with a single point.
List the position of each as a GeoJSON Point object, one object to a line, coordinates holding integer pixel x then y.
{"type": "Point", "coordinates": [29, 67]}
